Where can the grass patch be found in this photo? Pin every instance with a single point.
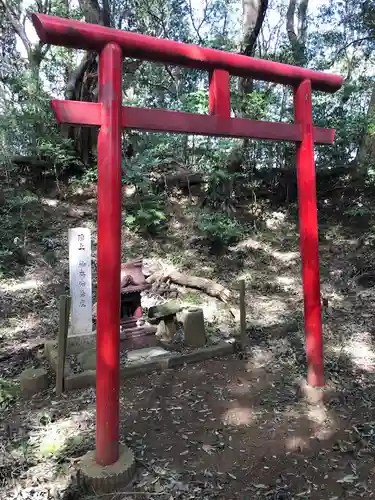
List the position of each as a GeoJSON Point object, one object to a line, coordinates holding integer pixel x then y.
{"type": "Point", "coordinates": [9, 392]}
{"type": "Point", "coordinates": [192, 298]}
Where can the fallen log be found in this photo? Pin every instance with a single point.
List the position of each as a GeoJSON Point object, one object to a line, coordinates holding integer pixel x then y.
{"type": "Point", "coordinates": [180, 180]}
{"type": "Point", "coordinates": [31, 161]}
{"type": "Point", "coordinates": [205, 285]}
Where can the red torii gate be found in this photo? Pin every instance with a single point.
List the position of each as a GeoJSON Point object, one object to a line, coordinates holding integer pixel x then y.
{"type": "Point", "coordinates": [109, 114]}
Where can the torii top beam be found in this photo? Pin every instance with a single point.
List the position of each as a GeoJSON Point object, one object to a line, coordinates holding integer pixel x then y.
{"type": "Point", "coordinates": [79, 35]}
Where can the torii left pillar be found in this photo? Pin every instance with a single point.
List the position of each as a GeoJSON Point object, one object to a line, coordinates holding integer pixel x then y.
{"type": "Point", "coordinates": [111, 465]}
{"type": "Point", "coordinates": [109, 256]}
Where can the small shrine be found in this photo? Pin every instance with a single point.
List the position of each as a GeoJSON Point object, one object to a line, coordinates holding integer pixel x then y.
{"type": "Point", "coordinates": [135, 332]}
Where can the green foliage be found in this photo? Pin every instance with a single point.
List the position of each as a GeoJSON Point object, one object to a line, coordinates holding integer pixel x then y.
{"type": "Point", "coordinates": [192, 298]}
{"type": "Point", "coordinates": [180, 260]}
{"type": "Point", "coordinates": [359, 210]}
{"type": "Point", "coordinates": [8, 393]}
{"type": "Point", "coordinates": [17, 217]}
{"type": "Point", "coordinates": [254, 105]}
{"type": "Point", "coordinates": [146, 216]}
{"type": "Point", "coordinates": [27, 125]}
{"type": "Point", "coordinates": [60, 154]}
{"type": "Point", "coordinates": [196, 102]}
{"type": "Point", "coordinates": [28, 128]}
{"type": "Point", "coordinates": [220, 227]}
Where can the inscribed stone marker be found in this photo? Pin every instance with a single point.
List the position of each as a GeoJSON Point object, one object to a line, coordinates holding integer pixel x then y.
{"type": "Point", "coordinates": [80, 281]}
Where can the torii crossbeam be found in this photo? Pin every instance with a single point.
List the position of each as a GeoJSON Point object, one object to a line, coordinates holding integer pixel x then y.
{"type": "Point", "coordinates": [109, 114]}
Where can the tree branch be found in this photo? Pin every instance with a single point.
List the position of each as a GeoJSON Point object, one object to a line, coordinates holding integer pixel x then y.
{"type": "Point", "coordinates": [302, 20]}
{"type": "Point", "coordinates": [193, 22]}
{"type": "Point", "coordinates": [160, 20]}
{"type": "Point", "coordinates": [353, 42]}
{"type": "Point", "coordinates": [297, 40]}
{"type": "Point", "coordinates": [290, 22]}
{"type": "Point", "coordinates": [106, 14]}
{"type": "Point", "coordinates": [252, 29]}
{"type": "Point", "coordinates": [17, 27]}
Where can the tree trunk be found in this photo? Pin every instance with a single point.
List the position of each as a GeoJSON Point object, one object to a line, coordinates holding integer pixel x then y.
{"type": "Point", "coordinates": [366, 152]}
{"type": "Point", "coordinates": [83, 81]}
{"type": "Point", "coordinates": [254, 12]}
{"type": "Point", "coordinates": [82, 86]}
{"type": "Point", "coordinates": [297, 38]}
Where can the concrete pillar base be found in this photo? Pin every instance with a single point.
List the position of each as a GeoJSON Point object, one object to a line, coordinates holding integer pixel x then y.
{"type": "Point", "coordinates": [111, 477]}
{"type": "Point", "coordinates": [314, 395]}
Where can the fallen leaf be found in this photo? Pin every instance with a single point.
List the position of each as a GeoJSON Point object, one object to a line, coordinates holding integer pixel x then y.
{"type": "Point", "coordinates": [350, 478]}
{"type": "Point", "coordinates": [208, 448]}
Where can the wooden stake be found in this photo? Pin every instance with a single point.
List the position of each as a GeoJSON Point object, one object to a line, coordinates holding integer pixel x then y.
{"type": "Point", "coordinates": [243, 336]}
{"type": "Point", "coordinates": [61, 342]}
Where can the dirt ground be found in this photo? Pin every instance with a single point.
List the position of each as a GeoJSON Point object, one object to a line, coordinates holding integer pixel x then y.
{"type": "Point", "coordinates": [233, 428]}
{"type": "Point", "coordinates": [227, 428]}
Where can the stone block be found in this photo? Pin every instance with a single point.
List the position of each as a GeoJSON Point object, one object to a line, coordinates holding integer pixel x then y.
{"type": "Point", "coordinates": [202, 354]}
{"type": "Point", "coordinates": [167, 330]}
{"type": "Point", "coordinates": [164, 310]}
{"type": "Point", "coordinates": [80, 380]}
{"type": "Point", "coordinates": [32, 381]}
{"type": "Point", "coordinates": [194, 329]}
{"type": "Point", "coordinates": [79, 343]}
{"type": "Point", "coordinates": [87, 359]}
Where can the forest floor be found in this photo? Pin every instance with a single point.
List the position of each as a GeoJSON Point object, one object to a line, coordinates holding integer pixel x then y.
{"type": "Point", "coordinates": [231, 428]}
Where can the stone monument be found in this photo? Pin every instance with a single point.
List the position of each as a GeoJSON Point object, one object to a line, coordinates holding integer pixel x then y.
{"type": "Point", "coordinates": [80, 281]}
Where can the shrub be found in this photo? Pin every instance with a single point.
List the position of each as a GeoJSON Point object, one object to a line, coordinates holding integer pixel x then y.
{"type": "Point", "coordinates": [220, 227]}
{"type": "Point", "coordinates": [146, 216]}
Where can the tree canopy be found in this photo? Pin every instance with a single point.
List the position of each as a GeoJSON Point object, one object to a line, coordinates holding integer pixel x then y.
{"type": "Point", "coordinates": [336, 36]}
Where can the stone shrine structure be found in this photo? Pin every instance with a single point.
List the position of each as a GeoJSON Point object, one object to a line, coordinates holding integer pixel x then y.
{"type": "Point", "coordinates": [136, 334]}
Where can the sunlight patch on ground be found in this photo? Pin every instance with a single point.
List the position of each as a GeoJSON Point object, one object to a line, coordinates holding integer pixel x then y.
{"type": "Point", "coordinates": [49, 202]}
{"type": "Point", "coordinates": [296, 443]}
{"type": "Point", "coordinates": [335, 298]}
{"type": "Point", "coordinates": [30, 322]}
{"type": "Point", "coordinates": [16, 325]}
{"type": "Point", "coordinates": [239, 415]}
{"type": "Point", "coordinates": [275, 220]}
{"type": "Point", "coordinates": [130, 190]}
{"type": "Point", "coordinates": [259, 359]}
{"type": "Point", "coordinates": [285, 256]}
{"type": "Point", "coordinates": [210, 310]}
{"type": "Point", "coordinates": [268, 310]}
{"type": "Point", "coordinates": [258, 245]}
{"type": "Point", "coordinates": [55, 437]}
{"type": "Point", "coordinates": [360, 351]}
{"type": "Point", "coordinates": [6, 332]}
{"type": "Point", "coordinates": [286, 280]}
{"type": "Point", "coordinates": [324, 424]}
{"type": "Point", "coordinates": [176, 224]}
{"type": "Point", "coordinates": [14, 286]}
{"type": "Point", "coordinates": [288, 283]}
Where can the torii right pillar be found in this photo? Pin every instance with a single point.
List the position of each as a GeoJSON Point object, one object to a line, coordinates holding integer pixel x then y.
{"type": "Point", "coordinates": [308, 220]}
